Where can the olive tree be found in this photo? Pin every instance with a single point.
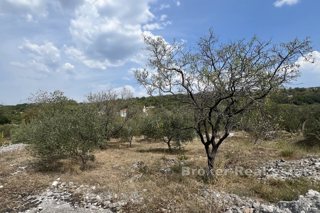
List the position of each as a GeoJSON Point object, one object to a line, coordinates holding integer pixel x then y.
{"type": "Point", "coordinates": [262, 122]}
{"type": "Point", "coordinates": [222, 81]}
{"type": "Point", "coordinates": [62, 129]}
{"type": "Point", "coordinates": [109, 103]}
{"type": "Point", "coordinates": [168, 126]}
{"type": "Point", "coordinates": [131, 123]}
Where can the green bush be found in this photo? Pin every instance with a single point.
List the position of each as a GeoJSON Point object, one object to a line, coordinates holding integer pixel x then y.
{"type": "Point", "coordinates": [6, 130]}
{"type": "Point", "coordinates": [62, 130]}
{"type": "Point", "coordinates": [4, 120]}
{"type": "Point", "coordinates": [169, 126]}
{"type": "Point", "coordinates": [312, 128]}
{"type": "Point", "coordinates": [262, 123]}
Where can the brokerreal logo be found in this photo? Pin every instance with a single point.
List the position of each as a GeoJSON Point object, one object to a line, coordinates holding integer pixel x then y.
{"type": "Point", "coordinates": [238, 170]}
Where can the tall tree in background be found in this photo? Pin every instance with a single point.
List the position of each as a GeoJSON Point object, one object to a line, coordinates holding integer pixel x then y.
{"type": "Point", "coordinates": [222, 81]}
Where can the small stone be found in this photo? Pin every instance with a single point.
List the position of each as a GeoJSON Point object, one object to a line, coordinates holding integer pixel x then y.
{"type": "Point", "coordinates": [98, 198]}
{"type": "Point", "coordinates": [144, 190]}
{"type": "Point", "coordinates": [94, 207]}
{"type": "Point", "coordinates": [55, 183]}
{"type": "Point", "coordinates": [122, 203]}
{"type": "Point", "coordinates": [267, 209]}
{"type": "Point", "coordinates": [113, 205]}
{"type": "Point", "coordinates": [256, 205]}
{"type": "Point", "coordinates": [1, 186]}
{"type": "Point", "coordinates": [312, 193]}
{"type": "Point", "coordinates": [247, 210]}
{"type": "Point", "coordinates": [106, 203]}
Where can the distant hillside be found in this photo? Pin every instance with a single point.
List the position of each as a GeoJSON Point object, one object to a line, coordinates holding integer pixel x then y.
{"type": "Point", "coordinates": [12, 114]}
{"type": "Point", "coordinates": [294, 96]}
{"type": "Point", "coordinates": [297, 96]}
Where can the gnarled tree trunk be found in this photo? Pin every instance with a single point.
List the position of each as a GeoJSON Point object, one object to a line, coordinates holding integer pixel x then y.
{"type": "Point", "coordinates": [168, 140]}
{"type": "Point", "coordinates": [211, 151]}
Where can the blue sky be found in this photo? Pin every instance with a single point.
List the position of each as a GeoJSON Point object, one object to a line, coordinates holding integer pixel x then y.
{"type": "Point", "coordinates": [83, 46]}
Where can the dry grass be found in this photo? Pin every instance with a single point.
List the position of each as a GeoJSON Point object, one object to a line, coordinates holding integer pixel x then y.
{"type": "Point", "coordinates": [17, 182]}
{"type": "Point", "coordinates": [113, 171]}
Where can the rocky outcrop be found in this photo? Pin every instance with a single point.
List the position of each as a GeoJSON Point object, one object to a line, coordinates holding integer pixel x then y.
{"type": "Point", "coordinates": [281, 169]}
{"type": "Point", "coordinates": [230, 203]}
{"type": "Point", "coordinates": [12, 148]}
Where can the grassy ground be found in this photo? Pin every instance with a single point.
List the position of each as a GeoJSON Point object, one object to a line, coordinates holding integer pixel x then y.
{"type": "Point", "coordinates": [113, 171]}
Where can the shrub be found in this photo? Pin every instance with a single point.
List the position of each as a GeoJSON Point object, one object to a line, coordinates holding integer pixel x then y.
{"type": "Point", "coordinates": [169, 126]}
{"type": "Point", "coordinates": [4, 120]}
{"type": "Point", "coordinates": [62, 130]}
{"type": "Point", "coordinates": [312, 128]}
{"type": "Point", "coordinates": [6, 130]}
{"type": "Point", "coordinates": [261, 123]}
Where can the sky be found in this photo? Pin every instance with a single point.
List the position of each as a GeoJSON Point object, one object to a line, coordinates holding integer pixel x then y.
{"type": "Point", "coordinates": [83, 46]}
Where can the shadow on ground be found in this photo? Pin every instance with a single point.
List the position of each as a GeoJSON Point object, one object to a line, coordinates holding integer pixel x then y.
{"type": "Point", "coordinates": [163, 151]}
{"type": "Point", "coordinates": [309, 144]}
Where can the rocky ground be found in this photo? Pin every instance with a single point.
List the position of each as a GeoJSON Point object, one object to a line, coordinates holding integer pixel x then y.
{"type": "Point", "coordinates": [66, 196]}
{"type": "Point", "coordinates": [12, 148]}
{"type": "Point", "coordinates": [69, 197]}
{"type": "Point", "coordinates": [230, 203]}
{"type": "Point", "coordinates": [281, 169]}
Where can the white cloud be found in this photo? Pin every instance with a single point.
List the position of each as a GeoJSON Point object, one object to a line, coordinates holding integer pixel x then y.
{"type": "Point", "coordinates": [152, 26]}
{"type": "Point", "coordinates": [164, 6]}
{"type": "Point", "coordinates": [70, 4]}
{"type": "Point", "coordinates": [103, 33]}
{"type": "Point", "coordinates": [47, 53]}
{"type": "Point", "coordinates": [79, 56]}
{"type": "Point", "coordinates": [310, 71]}
{"type": "Point", "coordinates": [109, 33]}
{"type": "Point", "coordinates": [163, 17]}
{"type": "Point", "coordinates": [44, 57]}
{"type": "Point", "coordinates": [29, 18]}
{"type": "Point", "coordinates": [49, 42]}
{"type": "Point", "coordinates": [31, 10]}
{"type": "Point", "coordinates": [178, 3]}
{"type": "Point", "coordinates": [313, 66]}
{"type": "Point", "coordinates": [67, 67]}
{"type": "Point", "coordinates": [156, 26]}
{"type": "Point", "coordinates": [36, 7]}
{"type": "Point", "coordinates": [280, 3]}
